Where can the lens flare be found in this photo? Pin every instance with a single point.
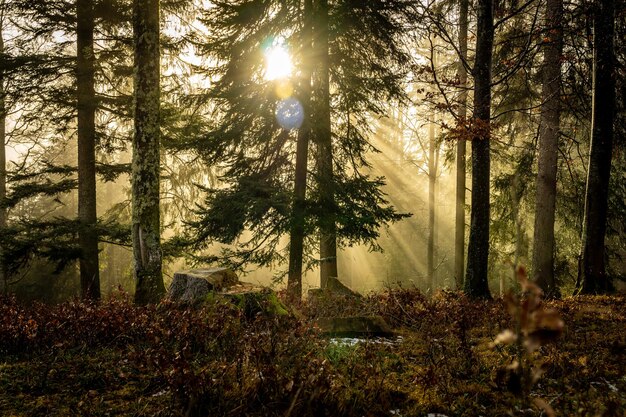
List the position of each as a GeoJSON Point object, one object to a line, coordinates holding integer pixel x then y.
{"type": "Point", "coordinates": [283, 89]}
{"type": "Point", "coordinates": [290, 113]}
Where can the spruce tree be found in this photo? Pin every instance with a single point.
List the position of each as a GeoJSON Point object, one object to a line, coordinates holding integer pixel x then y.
{"type": "Point", "coordinates": [476, 278]}
{"type": "Point", "coordinates": [592, 278]}
{"type": "Point", "coordinates": [545, 202]}
{"type": "Point", "coordinates": [297, 231]}
{"type": "Point", "coordinates": [256, 154]}
{"type": "Point", "coordinates": [322, 135]}
{"type": "Point", "coordinates": [3, 160]}
{"type": "Point", "coordinates": [461, 151]}
{"type": "Point", "coordinates": [86, 106]}
{"type": "Point", "coordinates": [146, 228]}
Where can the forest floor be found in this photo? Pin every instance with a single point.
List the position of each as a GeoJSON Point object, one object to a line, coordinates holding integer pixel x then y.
{"type": "Point", "coordinates": [114, 358]}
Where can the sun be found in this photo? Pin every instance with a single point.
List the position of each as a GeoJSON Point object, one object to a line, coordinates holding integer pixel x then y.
{"type": "Point", "coordinates": [277, 63]}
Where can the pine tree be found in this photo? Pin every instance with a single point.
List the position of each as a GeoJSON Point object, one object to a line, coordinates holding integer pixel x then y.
{"type": "Point", "coordinates": [545, 202]}
{"type": "Point", "coordinates": [433, 156]}
{"type": "Point", "coordinates": [476, 278]}
{"type": "Point", "coordinates": [3, 160]}
{"type": "Point", "coordinates": [146, 231]}
{"type": "Point", "coordinates": [86, 105]}
{"type": "Point", "coordinates": [256, 154]}
{"type": "Point", "coordinates": [461, 151]}
{"type": "Point", "coordinates": [297, 232]}
{"type": "Point", "coordinates": [592, 278]}
{"type": "Point", "coordinates": [322, 135]}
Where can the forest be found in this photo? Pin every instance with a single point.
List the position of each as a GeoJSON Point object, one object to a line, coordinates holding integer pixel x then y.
{"type": "Point", "coordinates": [312, 207]}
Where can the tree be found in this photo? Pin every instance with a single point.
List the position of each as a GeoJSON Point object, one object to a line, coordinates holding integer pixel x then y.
{"type": "Point", "coordinates": [433, 159]}
{"type": "Point", "coordinates": [3, 158]}
{"type": "Point", "coordinates": [461, 151]}
{"type": "Point", "coordinates": [545, 201]}
{"type": "Point", "coordinates": [322, 135]}
{"type": "Point", "coordinates": [146, 233]}
{"type": "Point", "coordinates": [297, 232]}
{"type": "Point", "coordinates": [476, 278]}
{"type": "Point", "coordinates": [253, 207]}
{"type": "Point", "coordinates": [592, 278]}
{"type": "Point", "coordinates": [86, 105]}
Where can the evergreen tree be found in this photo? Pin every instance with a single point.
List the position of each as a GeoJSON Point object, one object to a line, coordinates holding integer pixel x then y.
{"type": "Point", "coordinates": [461, 150]}
{"type": "Point", "coordinates": [146, 229]}
{"type": "Point", "coordinates": [257, 154]}
{"type": "Point", "coordinates": [433, 159]}
{"type": "Point", "coordinates": [545, 201]}
{"type": "Point", "coordinates": [476, 278]}
{"type": "Point", "coordinates": [86, 106]}
{"type": "Point", "coordinates": [3, 160]}
{"type": "Point", "coordinates": [592, 276]}
{"type": "Point", "coordinates": [322, 134]}
{"type": "Point", "coordinates": [297, 232]}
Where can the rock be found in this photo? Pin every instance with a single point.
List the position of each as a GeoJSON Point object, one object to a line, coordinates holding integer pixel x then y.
{"type": "Point", "coordinates": [193, 285]}
{"type": "Point", "coordinates": [356, 326]}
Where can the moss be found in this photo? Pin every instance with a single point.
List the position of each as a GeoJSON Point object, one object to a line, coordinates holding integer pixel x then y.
{"type": "Point", "coordinates": [258, 302]}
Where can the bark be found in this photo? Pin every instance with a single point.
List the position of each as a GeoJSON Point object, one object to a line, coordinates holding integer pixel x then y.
{"type": "Point", "coordinates": [296, 243]}
{"type": "Point", "coordinates": [89, 267]}
{"type": "Point", "coordinates": [146, 156]}
{"type": "Point", "coordinates": [432, 177]}
{"type": "Point", "coordinates": [545, 201]}
{"type": "Point", "coordinates": [4, 278]}
{"type": "Point", "coordinates": [461, 151]}
{"type": "Point", "coordinates": [322, 135]}
{"type": "Point", "coordinates": [592, 278]}
{"type": "Point", "coordinates": [476, 278]}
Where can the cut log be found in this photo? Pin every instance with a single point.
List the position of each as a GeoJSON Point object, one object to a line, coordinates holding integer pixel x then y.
{"type": "Point", "coordinates": [193, 285]}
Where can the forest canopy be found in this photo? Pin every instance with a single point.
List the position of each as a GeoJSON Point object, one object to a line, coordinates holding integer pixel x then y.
{"type": "Point", "coordinates": [391, 143]}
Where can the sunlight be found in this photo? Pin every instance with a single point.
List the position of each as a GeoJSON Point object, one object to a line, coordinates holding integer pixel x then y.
{"type": "Point", "coordinates": [277, 63]}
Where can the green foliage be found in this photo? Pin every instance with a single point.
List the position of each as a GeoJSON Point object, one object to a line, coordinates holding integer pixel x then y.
{"type": "Point", "coordinates": [54, 240]}
{"type": "Point", "coordinates": [32, 189]}
{"type": "Point", "coordinates": [256, 156]}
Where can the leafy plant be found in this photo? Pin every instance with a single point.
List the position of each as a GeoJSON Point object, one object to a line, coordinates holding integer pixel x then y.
{"type": "Point", "coordinates": [535, 326]}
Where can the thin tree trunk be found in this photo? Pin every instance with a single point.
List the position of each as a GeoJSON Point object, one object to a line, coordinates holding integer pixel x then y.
{"type": "Point", "coordinates": [461, 151]}
{"type": "Point", "coordinates": [4, 278]}
{"type": "Point", "coordinates": [545, 202]}
{"type": "Point", "coordinates": [296, 244]}
{"type": "Point", "coordinates": [476, 278]}
{"type": "Point", "coordinates": [89, 266]}
{"type": "Point", "coordinates": [592, 278]}
{"type": "Point", "coordinates": [146, 156]}
{"type": "Point", "coordinates": [323, 136]}
{"type": "Point", "coordinates": [432, 177]}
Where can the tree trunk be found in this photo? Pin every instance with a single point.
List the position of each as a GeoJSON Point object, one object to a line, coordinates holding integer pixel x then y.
{"type": "Point", "coordinates": [296, 243]}
{"type": "Point", "coordinates": [476, 278]}
{"type": "Point", "coordinates": [322, 134]}
{"type": "Point", "coordinates": [4, 278]}
{"type": "Point", "coordinates": [146, 155]}
{"type": "Point", "coordinates": [592, 278]}
{"type": "Point", "coordinates": [88, 237]}
{"type": "Point", "coordinates": [545, 202]}
{"type": "Point", "coordinates": [432, 177]}
{"type": "Point", "coordinates": [459, 235]}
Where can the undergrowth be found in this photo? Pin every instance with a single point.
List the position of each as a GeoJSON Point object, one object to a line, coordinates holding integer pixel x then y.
{"type": "Point", "coordinates": [115, 358]}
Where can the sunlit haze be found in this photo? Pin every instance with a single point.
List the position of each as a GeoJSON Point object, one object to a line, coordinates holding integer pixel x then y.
{"type": "Point", "coordinates": [277, 63]}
